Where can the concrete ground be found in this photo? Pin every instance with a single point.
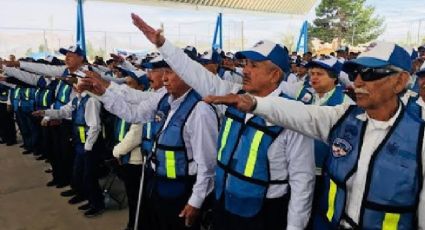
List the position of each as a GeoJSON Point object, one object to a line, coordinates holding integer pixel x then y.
{"type": "Point", "coordinates": [27, 204]}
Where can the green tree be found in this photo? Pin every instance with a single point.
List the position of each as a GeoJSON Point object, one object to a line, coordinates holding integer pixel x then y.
{"type": "Point", "coordinates": [349, 21]}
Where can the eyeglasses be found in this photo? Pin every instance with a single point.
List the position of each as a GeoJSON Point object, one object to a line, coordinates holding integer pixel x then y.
{"type": "Point", "coordinates": [371, 74]}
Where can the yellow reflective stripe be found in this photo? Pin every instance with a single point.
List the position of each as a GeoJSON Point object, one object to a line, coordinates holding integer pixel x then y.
{"type": "Point", "coordinates": [331, 200]}
{"type": "Point", "coordinates": [82, 132]}
{"type": "Point", "coordinates": [63, 93]}
{"type": "Point", "coordinates": [224, 137]}
{"type": "Point", "coordinates": [148, 130]}
{"type": "Point", "coordinates": [253, 152]}
{"type": "Point", "coordinates": [122, 127]}
{"type": "Point", "coordinates": [45, 98]}
{"type": "Point", "coordinates": [27, 94]}
{"type": "Point", "coordinates": [299, 91]}
{"type": "Point", "coordinates": [17, 92]}
{"type": "Point", "coordinates": [390, 221]}
{"type": "Point", "coordinates": [170, 164]}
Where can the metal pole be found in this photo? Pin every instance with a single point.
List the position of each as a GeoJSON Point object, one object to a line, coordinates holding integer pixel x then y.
{"type": "Point", "coordinates": [352, 36]}
{"type": "Point", "coordinates": [419, 31]}
{"type": "Point", "coordinates": [139, 200]}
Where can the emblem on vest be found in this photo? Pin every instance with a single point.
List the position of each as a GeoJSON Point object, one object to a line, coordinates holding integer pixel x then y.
{"type": "Point", "coordinates": [340, 147]}
{"type": "Point", "coordinates": [159, 116]}
{"type": "Point", "coordinates": [307, 97]}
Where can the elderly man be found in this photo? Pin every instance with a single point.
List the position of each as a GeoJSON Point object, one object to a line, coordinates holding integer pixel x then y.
{"type": "Point", "coordinates": [257, 161]}
{"type": "Point", "coordinates": [183, 152]}
{"type": "Point", "coordinates": [374, 173]}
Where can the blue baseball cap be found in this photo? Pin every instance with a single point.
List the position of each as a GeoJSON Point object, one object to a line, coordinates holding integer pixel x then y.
{"type": "Point", "coordinates": [141, 80]}
{"type": "Point", "coordinates": [156, 63]}
{"type": "Point", "coordinates": [328, 63]}
{"type": "Point", "coordinates": [210, 57]}
{"type": "Point", "coordinates": [191, 52]}
{"type": "Point", "coordinates": [73, 49]}
{"type": "Point", "coordinates": [380, 55]}
{"type": "Point", "coordinates": [267, 50]}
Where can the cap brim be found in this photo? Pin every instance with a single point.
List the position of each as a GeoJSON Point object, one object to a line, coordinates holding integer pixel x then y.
{"type": "Point", "coordinates": [420, 73]}
{"type": "Point", "coordinates": [251, 55]}
{"type": "Point", "coordinates": [317, 64]}
{"type": "Point", "coordinates": [63, 51]}
{"type": "Point", "coordinates": [369, 62]}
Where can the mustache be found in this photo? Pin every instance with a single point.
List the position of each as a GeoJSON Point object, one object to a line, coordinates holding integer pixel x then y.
{"type": "Point", "coordinates": [361, 90]}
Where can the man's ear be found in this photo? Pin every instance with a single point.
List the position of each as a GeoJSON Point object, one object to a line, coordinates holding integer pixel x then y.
{"type": "Point", "coordinates": [401, 82]}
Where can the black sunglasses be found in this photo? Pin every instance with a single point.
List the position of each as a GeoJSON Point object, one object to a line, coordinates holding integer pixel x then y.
{"type": "Point", "coordinates": [371, 74]}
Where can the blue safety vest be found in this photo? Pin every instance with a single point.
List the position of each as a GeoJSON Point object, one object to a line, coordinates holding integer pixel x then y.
{"type": "Point", "coordinates": [78, 119]}
{"type": "Point", "coordinates": [64, 92]}
{"type": "Point", "coordinates": [151, 129]}
{"type": "Point", "coordinates": [394, 178]}
{"type": "Point", "coordinates": [28, 99]}
{"type": "Point", "coordinates": [243, 175]}
{"type": "Point", "coordinates": [16, 98]}
{"type": "Point", "coordinates": [170, 154]}
{"type": "Point", "coordinates": [4, 93]}
{"type": "Point", "coordinates": [336, 98]}
{"type": "Point", "coordinates": [121, 128]}
{"type": "Point", "coordinates": [413, 107]}
{"type": "Point", "coordinates": [45, 94]}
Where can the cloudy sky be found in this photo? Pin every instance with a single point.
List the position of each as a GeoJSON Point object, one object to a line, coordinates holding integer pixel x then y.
{"type": "Point", "coordinates": [191, 26]}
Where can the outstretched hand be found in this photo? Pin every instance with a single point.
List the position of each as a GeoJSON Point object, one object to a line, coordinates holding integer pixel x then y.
{"type": "Point", "coordinates": [93, 82]}
{"type": "Point", "coordinates": [154, 36]}
{"type": "Point", "coordinates": [243, 102]}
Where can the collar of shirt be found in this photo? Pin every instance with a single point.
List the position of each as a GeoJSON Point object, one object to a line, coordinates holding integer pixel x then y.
{"type": "Point", "coordinates": [81, 95]}
{"type": "Point", "coordinates": [275, 93]}
{"type": "Point", "coordinates": [317, 100]}
{"type": "Point", "coordinates": [380, 124]}
{"type": "Point", "coordinates": [175, 102]}
{"type": "Point", "coordinates": [302, 79]}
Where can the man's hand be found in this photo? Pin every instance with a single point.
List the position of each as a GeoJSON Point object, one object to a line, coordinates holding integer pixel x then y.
{"type": "Point", "coordinates": [190, 214]}
{"type": "Point", "coordinates": [117, 58]}
{"type": "Point", "coordinates": [11, 63]}
{"type": "Point", "coordinates": [2, 78]}
{"type": "Point", "coordinates": [93, 82]}
{"type": "Point", "coordinates": [243, 102]}
{"type": "Point", "coordinates": [39, 113]}
{"type": "Point", "coordinates": [154, 36]}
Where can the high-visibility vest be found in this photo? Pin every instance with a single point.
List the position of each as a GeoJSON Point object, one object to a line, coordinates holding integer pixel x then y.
{"type": "Point", "coordinates": [64, 92]}
{"type": "Point", "coordinates": [80, 127]}
{"type": "Point", "coordinates": [243, 175]}
{"type": "Point", "coordinates": [394, 178]}
{"type": "Point", "coordinates": [120, 130]}
{"type": "Point", "coordinates": [170, 153]}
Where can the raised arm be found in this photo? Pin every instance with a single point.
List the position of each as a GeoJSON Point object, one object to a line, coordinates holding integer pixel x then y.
{"type": "Point", "coordinates": [194, 74]}
{"type": "Point", "coordinates": [43, 69]}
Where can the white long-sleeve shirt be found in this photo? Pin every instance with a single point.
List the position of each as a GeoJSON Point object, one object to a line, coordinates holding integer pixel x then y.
{"type": "Point", "coordinates": [200, 134]}
{"type": "Point", "coordinates": [317, 121]}
{"type": "Point", "coordinates": [91, 115]}
{"type": "Point", "coordinates": [130, 144]}
{"type": "Point", "coordinates": [290, 155]}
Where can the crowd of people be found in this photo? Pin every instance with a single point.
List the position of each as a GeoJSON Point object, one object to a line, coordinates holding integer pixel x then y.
{"type": "Point", "coordinates": [257, 139]}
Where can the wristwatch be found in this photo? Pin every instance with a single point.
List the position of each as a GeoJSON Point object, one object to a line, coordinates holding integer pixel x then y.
{"type": "Point", "coordinates": [253, 100]}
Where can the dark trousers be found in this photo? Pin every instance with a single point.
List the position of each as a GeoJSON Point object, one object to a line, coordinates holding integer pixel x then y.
{"type": "Point", "coordinates": [85, 177]}
{"type": "Point", "coordinates": [36, 136]}
{"type": "Point", "coordinates": [46, 142]}
{"type": "Point", "coordinates": [7, 125]}
{"type": "Point", "coordinates": [25, 128]}
{"type": "Point", "coordinates": [63, 154]}
{"type": "Point", "coordinates": [273, 215]}
{"type": "Point", "coordinates": [165, 211]}
{"type": "Point", "coordinates": [131, 174]}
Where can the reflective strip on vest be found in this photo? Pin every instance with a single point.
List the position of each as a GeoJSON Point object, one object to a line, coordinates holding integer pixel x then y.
{"type": "Point", "coordinates": [225, 135]}
{"type": "Point", "coordinates": [17, 92]}
{"type": "Point", "coordinates": [390, 221]}
{"type": "Point", "coordinates": [122, 128]}
{"type": "Point", "coordinates": [45, 98]}
{"type": "Point", "coordinates": [82, 132]}
{"type": "Point", "coordinates": [331, 200]}
{"type": "Point", "coordinates": [63, 93]}
{"type": "Point", "coordinates": [27, 94]}
{"type": "Point", "coordinates": [170, 164]}
{"type": "Point", "coordinates": [148, 130]}
{"type": "Point", "coordinates": [253, 152]}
